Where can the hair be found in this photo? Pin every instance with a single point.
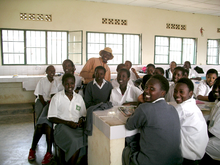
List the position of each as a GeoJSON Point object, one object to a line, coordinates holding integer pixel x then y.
{"type": "Point", "coordinates": [119, 66]}
{"type": "Point", "coordinates": [172, 62]}
{"type": "Point", "coordinates": [188, 63]}
{"type": "Point", "coordinates": [49, 67]}
{"type": "Point", "coordinates": [160, 69]}
{"type": "Point", "coordinates": [69, 61]}
{"type": "Point", "coordinates": [188, 82]}
{"type": "Point", "coordinates": [183, 70]}
{"type": "Point", "coordinates": [212, 71]}
{"type": "Point", "coordinates": [163, 82]}
{"type": "Point", "coordinates": [67, 75]}
{"type": "Point", "coordinates": [125, 70]}
{"type": "Point", "coordinates": [148, 65]}
{"type": "Point", "coordinates": [145, 79]}
{"type": "Point", "coordinates": [100, 67]}
{"type": "Point", "coordinates": [129, 62]}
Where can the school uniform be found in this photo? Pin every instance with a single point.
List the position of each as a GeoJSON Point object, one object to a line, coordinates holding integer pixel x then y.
{"type": "Point", "coordinates": [169, 96]}
{"type": "Point", "coordinates": [159, 127]}
{"type": "Point", "coordinates": [168, 74]}
{"type": "Point", "coordinates": [95, 94]}
{"type": "Point", "coordinates": [131, 95]}
{"type": "Point", "coordinates": [132, 76]}
{"type": "Point", "coordinates": [116, 84]}
{"type": "Point", "coordinates": [68, 139]}
{"type": "Point", "coordinates": [192, 73]}
{"type": "Point", "coordinates": [194, 136]}
{"type": "Point", "coordinates": [203, 89]}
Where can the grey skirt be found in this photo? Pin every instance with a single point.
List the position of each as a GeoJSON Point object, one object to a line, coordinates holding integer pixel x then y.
{"type": "Point", "coordinates": [69, 140]}
{"type": "Point", "coordinates": [43, 117]}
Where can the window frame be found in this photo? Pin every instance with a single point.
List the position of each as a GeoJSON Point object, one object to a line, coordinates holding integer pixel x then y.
{"type": "Point", "coordinates": [139, 47]}
{"type": "Point", "coordinates": [218, 56]}
{"type": "Point", "coordinates": [182, 62]}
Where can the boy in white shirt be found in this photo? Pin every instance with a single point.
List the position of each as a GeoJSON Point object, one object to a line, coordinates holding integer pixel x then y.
{"type": "Point", "coordinates": [134, 76]}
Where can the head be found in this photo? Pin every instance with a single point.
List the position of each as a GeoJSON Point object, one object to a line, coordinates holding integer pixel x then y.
{"type": "Point", "coordinates": [211, 75]}
{"type": "Point", "coordinates": [150, 69]}
{"type": "Point", "coordinates": [178, 73]}
{"type": "Point", "coordinates": [50, 71]}
{"type": "Point", "coordinates": [68, 81]}
{"type": "Point", "coordinates": [216, 88]}
{"type": "Point", "coordinates": [99, 73]}
{"type": "Point", "coordinates": [186, 74]}
{"type": "Point", "coordinates": [145, 79]}
{"type": "Point", "coordinates": [172, 65]}
{"type": "Point", "coordinates": [187, 65]}
{"type": "Point", "coordinates": [159, 70]}
{"type": "Point", "coordinates": [68, 66]}
{"type": "Point", "coordinates": [123, 76]}
{"type": "Point", "coordinates": [106, 54]}
{"type": "Point", "coordinates": [183, 90]}
{"type": "Point", "coordinates": [128, 65]}
{"type": "Point", "coordinates": [120, 66]}
{"type": "Point", "coordinates": [156, 87]}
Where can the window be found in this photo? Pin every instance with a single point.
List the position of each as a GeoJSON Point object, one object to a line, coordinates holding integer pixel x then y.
{"type": "Point", "coordinates": [124, 46]}
{"type": "Point", "coordinates": [40, 47]}
{"type": "Point", "coordinates": [176, 49]}
{"type": "Point", "coordinates": [213, 52]}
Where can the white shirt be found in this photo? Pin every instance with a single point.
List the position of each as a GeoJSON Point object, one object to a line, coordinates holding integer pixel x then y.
{"type": "Point", "coordinates": [116, 84]}
{"type": "Point", "coordinates": [203, 89]}
{"type": "Point", "coordinates": [194, 136]}
{"type": "Point", "coordinates": [132, 76]}
{"type": "Point", "coordinates": [192, 73]}
{"type": "Point", "coordinates": [131, 95]}
{"type": "Point", "coordinates": [43, 88]}
{"type": "Point", "coordinates": [57, 85]}
{"type": "Point", "coordinates": [169, 96]}
{"type": "Point", "coordinates": [62, 108]}
{"type": "Point", "coordinates": [100, 87]}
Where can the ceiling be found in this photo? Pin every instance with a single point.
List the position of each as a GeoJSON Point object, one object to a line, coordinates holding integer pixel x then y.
{"type": "Point", "coordinates": [210, 7]}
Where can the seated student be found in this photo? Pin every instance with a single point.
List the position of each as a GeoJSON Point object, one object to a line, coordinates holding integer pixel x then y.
{"type": "Point", "coordinates": [159, 70]}
{"type": "Point", "coordinates": [43, 125]}
{"type": "Point", "coordinates": [144, 80]}
{"type": "Point", "coordinates": [212, 155]}
{"type": "Point", "coordinates": [68, 67]}
{"type": "Point", "coordinates": [159, 126]}
{"type": "Point", "coordinates": [66, 110]}
{"type": "Point", "coordinates": [179, 72]}
{"type": "Point", "coordinates": [124, 94]}
{"type": "Point", "coordinates": [115, 81]}
{"type": "Point", "coordinates": [192, 73]}
{"type": "Point", "coordinates": [194, 137]}
{"type": "Point", "coordinates": [150, 69]}
{"type": "Point", "coordinates": [134, 75]}
{"type": "Point", "coordinates": [205, 86]}
{"type": "Point", "coordinates": [99, 89]}
{"type": "Point", "coordinates": [169, 72]}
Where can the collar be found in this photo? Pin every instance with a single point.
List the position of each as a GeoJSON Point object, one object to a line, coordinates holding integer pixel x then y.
{"type": "Point", "coordinates": [158, 100]}
{"type": "Point", "coordinates": [103, 82]}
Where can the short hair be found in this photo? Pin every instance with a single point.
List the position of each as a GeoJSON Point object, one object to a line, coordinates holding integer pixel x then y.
{"type": "Point", "coordinates": [188, 63]}
{"type": "Point", "coordinates": [67, 75]}
{"type": "Point", "coordinates": [163, 82]}
{"type": "Point", "coordinates": [173, 62]}
{"type": "Point", "coordinates": [49, 67]}
{"type": "Point", "coordinates": [119, 66]}
{"type": "Point", "coordinates": [188, 82]}
{"type": "Point", "coordinates": [100, 67]}
{"type": "Point", "coordinates": [212, 71]}
{"type": "Point", "coordinates": [148, 65]}
{"type": "Point", "coordinates": [182, 69]}
{"type": "Point", "coordinates": [68, 61]}
{"type": "Point", "coordinates": [160, 69]}
{"type": "Point", "coordinates": [129, 62]}
{"type": "Point", "coordinates": [125, 70]}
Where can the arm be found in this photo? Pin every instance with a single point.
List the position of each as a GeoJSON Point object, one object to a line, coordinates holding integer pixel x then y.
{"type": "Point", "coordinates": [61, 121]}
{"type": "Point", "coordinates": [134, 71]}
{"type": "Point", "coordinates": [88, 96]}
{"type": "Point", "coordinates": [203, 98]}
{"type": "Point", "coordinates": [86, 70]}
{"type": "Point", "coordinates": [42, 100]}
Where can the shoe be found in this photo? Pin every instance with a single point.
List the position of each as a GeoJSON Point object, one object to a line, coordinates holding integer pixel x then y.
{"type": "Point", "coordinates": [47, 158]}
{"type": "Point", "coordinates": [31, 155]}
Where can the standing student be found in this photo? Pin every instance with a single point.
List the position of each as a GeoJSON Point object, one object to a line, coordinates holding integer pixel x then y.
{"type": "Point", "coordinates": [99, 89]}
{"type": "Point", "coordinates": [124, 94]}
{"type": "Point", "coordinates": [134, 75]}
{"type": "Point", "coordinates": [205, 86]}
{"type": "Point", "coordinates": [194, 137]}
{"type": "Point", "coordinates": [43, 125]}
{"type": "Point", "coordinates": [169, 72]}
{"type": "Point", "coordinates": [159, 126]}
{"type": "Point", "coordinates": [67, 110]}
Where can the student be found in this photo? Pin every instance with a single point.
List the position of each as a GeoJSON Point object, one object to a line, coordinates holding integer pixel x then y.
{"type": "Point", "coordinates": [99, 89]}
{"type": "Point", "coordinates": [115, 82]}
{"type": "Point", "coordinates": [124, 94]}
{"type": "Point", "coordinates": [192, 73]}
{"type": "Point", "coordinates": [43, 125]}
{"type": "Point", "coordinates": [179, 72]}
{"type": "Point", "coordinates": [169, 72]}
{"type": "Point", "coordinates": [159, 70]}
{"type": "Point", "coordinates": [68, 67]}
{"type": "Point", "coordinates": [212, 155]}
{"type": "Point", "coordinates": [150, 69]}
{"type": "Point", "coordinates": [159, 127]}
{"type": "Point", "coordinates": [66, 110]}
{"type": "Point", "coordinates": [205, 86]}
{"type": "Point", "coordinates": [134, 75]}
{"type": "Point", "coordinates": [194, 137]}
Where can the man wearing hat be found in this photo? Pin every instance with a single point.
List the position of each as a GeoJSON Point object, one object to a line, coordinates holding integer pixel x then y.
{"type": "Point", "coordinates": [89, 68]}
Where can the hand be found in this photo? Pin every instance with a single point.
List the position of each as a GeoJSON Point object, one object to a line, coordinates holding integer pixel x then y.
{"type": "Point", "coordinates": [141, 98]}
{"type": "Point", "coordinates": [72, 124]}
{"type": "Point", "coordinates": [133, 70]}
{"type": "Point", "coordinates": [80, 123]}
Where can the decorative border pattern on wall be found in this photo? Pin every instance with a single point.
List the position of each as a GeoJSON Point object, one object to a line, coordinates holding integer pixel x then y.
{"type": "Point", "coordinates": [36, 17]}
{"type": "Point", "coordinates": [218, 30]}
{"type": "Point", "coordinates": [175, 26]}
{"type": "Point", "coordinates": [112, 21]}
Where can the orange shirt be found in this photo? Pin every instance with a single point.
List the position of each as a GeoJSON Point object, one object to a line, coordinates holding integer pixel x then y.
{"type": "Point", "coordinates": [89, 69]}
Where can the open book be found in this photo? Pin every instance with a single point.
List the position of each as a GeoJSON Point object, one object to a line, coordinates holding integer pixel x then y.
{"type": "Point", "coordinates": [127, 110]}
